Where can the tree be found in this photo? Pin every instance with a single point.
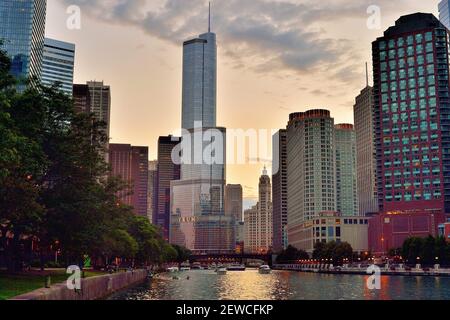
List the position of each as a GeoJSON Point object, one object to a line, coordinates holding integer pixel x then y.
{"type": "Point", "coordinates": [412, 249]}
{"type": "Point", "coordinates": [292, 254]}
{"type": "Point", "coordinates": [55, 186]}
{"type": "Point", "coordinates": [21, 160]}
{"type": "Point", "coordinates": [183, 254]}
{"type": "Point", "coordinates": [427, 250]}
{"type": "Point", "coordinates": [334, 251]}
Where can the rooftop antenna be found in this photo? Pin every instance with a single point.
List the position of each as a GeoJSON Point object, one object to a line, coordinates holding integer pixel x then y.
{"type": "Point", "coordinates": [367, 75]}
{"type": "Point", "coordinates": [209, 18]}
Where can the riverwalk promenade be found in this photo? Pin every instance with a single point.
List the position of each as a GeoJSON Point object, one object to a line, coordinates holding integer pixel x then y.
{"type": "Point", "coordinates": [400, 270]}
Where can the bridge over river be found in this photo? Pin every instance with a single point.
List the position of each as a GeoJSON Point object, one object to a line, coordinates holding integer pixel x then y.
{"type": "Point", "coordinates": [227, 258]}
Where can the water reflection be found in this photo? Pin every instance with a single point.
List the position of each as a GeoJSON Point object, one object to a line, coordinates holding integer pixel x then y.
{"type": "Point", "coordinates": [283, 285]}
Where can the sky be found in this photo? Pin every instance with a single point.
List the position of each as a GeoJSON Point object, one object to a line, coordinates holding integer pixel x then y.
{"type": "Point", "coordinates": [275, 57]}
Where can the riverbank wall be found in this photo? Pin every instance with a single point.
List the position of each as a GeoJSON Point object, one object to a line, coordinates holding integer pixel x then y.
{"type": "Point", "coordinates": [95, 288]}
{"type": "Point", "coordinates": [356, 271]}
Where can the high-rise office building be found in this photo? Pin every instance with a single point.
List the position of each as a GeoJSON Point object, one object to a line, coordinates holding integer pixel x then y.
{"type": "Point", "coordinates": [444, 13]}
{"type": "Point", "coordinates": [198, 219]}
{"type": "Point", "coordinates": [279, 191]}
{"type": "Point", "coordinates": [310, 173]}
{"type": "Point", "coordinates": [234, 208]}
{"type": "Point", "coordinates": [131, 164]}
{"type": "Point", "coordinates": [152, 175]}
{"type": "Point", "coordinates": [58, 64]}
{"type": "Point", "coordinates": [412, 108]}
{"type": "Point", "coordinates": [200, 82]}
{"type": "Point", "coordinates": [234, 201]}
{"type": "Point", "coordinates": [167, 171]}
{"type": "Point", "coordinates": [258, 220]}
{"type": "Point", "coordinates": [22, 30]}
{"type": "Point", "coordinates": [365, 152]}
{"type": "Point", "coordinates": [265, 214]}
{"type": "Point", "coordinates": [94, 97]}
{"type": "Point", "coordinates": [345, 150]}
{"type": "Point", "coordinates": [251, 230]}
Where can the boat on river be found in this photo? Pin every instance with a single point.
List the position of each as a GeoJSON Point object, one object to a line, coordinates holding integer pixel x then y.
{"type": "Point", "coordinates": [173, 269]}
{"type": "Point", "coordinates": [236, 267]}
{"type": "Point", "coordinates": [265, 269]}
{"type": "Point", "coordinates": [221, 271]}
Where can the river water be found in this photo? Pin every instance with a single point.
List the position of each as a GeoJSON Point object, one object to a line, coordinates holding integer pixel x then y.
{"type": "Point", "coordinates": [285, 285]}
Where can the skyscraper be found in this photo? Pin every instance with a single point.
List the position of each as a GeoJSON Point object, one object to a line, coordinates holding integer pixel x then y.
{"type": "Point", "coordinates": [94, 97]}
{"type": "Point", "coordinates": [258, 220]}
{"type": "Point", "coordinates": [365, 152]}
{"type": "Point", "coordinates": [265, 218]}
{"type": "Point", "coordinates": [279, 191]}
{"type": "Point", "coordinates": [411, 98]}
{"type": "Point", "coordinates": [444, 13]}
{"type": "Point", "coordinates": [234, 201]}
{"type": "Point", "coordinates": [200, 81]}
{"type": "Point", "coordinates": [198, 219]}
{"type": "Point", "coordinates": [22, 28]}
{"type": "Point", "coordinates": [345, 150]}
{"type": "Point", "coordinates": [131, 164]}
{"type": "Point", "coordinates": [167, 171]}
{"type": "Point", "coordinates": [310, 173]}
{"type": "Point", "coordinates": [58, 64]}
{"type": "Point", "coordinates": [251, 230]}
{"type": "Point", "coordinates": [152, 175]}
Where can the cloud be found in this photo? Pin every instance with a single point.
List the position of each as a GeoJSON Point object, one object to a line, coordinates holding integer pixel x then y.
{"type": "Point", "coordinates": [266, 36]}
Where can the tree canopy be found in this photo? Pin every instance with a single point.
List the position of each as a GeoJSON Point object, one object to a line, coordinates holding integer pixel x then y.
{"type": "Point", "coordinates": [55, 185]}
{"type": "Point", "coordinates": [429, 250]}
{"type": "Point", "coordinates": [292, 254]}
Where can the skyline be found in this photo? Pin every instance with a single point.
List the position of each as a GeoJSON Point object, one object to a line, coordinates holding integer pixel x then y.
{"type": "Point", "coordinates": [288, 82]}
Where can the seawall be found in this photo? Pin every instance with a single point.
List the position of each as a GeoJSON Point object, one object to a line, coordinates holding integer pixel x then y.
{"type": "Point", "coordinates": [94, 288]}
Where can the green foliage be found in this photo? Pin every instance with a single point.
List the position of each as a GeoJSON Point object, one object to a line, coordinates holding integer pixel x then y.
{"type": "Point", "coordinates": [183, 254]}
{"type": "Point", "coordinates": [55, 185]}
{"type": "Point", "coordinates": [292, 254]}
{"type": "Point", "coordinates": [337, 252]}
{"type": "Point", "coordinates": [427, 250]}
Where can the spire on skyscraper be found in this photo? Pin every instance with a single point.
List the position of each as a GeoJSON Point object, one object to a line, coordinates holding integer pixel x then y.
{"type": "Point", "coordinates": [209, 18]}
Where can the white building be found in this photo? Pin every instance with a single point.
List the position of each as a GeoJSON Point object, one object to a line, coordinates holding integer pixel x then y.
{"type": "Point", "coordinates": [258, 221]}
{"type": "Point", "coordinates": [310, 173]}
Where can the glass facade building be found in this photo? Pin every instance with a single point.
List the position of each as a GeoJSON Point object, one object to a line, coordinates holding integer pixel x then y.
{"type": "Point", "coordinates": [200, 81]}
{"type": "Point", "coordinates": [58, 64]}
{"type": "Point", "coordinates": [345, 149]}
{"type": "Point", "coordinates": [167, 171]}
{"type": "Point", "coordinates": [198, 219]}
{"type": "Point", "coordinates": [365, 152]}
{"type": "Point", "coordinates": [279, 191]}
{"type": "Point", "coordinates": [22, 30]}
{"type": "Point", "coordinates": [412, 125]}
{"type": "Point", "coordinates": [444, 13]}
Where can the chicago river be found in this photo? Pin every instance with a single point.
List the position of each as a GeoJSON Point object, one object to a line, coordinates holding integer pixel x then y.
{"type": "Point", "coordinates": [285, 285]}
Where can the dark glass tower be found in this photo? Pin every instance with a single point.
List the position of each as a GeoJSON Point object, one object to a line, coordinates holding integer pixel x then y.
{"type": "Point", "coordinates": [412, 124]}
{"type": "Point", "coordinates": [22, 30]}
{"type": "Point", "coordinates": [167, 171]}
{"type": "Point", "coordinates": [279, 191]}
